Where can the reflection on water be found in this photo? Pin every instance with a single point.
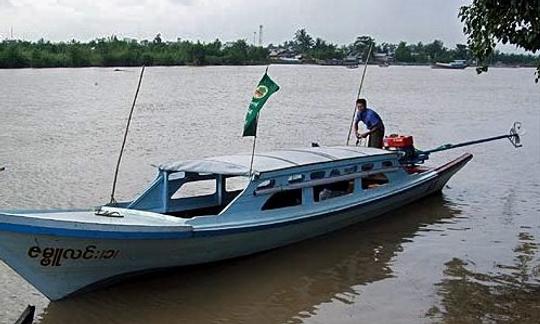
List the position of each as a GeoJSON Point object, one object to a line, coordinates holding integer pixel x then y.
{"type": "Point", "coordinates": [283, 285]}
{"type": "Point", "coordinates": [511, 294]}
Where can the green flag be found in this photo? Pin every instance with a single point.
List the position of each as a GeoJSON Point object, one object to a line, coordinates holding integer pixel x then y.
{"type": "Point", "coordinates": [264, 90]}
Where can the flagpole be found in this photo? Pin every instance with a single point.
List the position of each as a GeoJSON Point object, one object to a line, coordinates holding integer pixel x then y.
{"type": "Point", "coordinates": [257, 96]}
{"type": "Point", "coordinates": [253, 148]}
{"type": "Point", "coordinates": [125, 137]}
{"type": "Point", "coordinates": [255, 136]}
{"type": "Point", "coordinates": [359, 90]}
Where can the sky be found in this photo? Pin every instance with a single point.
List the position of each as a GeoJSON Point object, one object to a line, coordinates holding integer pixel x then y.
{"type": "Point", "coordinates": [337, 21]}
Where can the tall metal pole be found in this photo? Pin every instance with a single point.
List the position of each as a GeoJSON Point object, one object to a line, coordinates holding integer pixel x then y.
{"type": "Point", "coordinates": [253, 149]}
{"type": "Point", "coordinates": [359, 91]}
{"type": "Point", "coordinates": [125, 137]}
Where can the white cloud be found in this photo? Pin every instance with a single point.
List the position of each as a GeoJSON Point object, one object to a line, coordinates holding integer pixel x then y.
{"type": "Point", "coordinates": [183, 2]}
{"type": "Point", "coordinates": [5, 4]}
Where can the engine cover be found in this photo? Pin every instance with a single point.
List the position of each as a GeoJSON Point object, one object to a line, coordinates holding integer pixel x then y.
{"type": "Point", "coordinates": [398, 141]}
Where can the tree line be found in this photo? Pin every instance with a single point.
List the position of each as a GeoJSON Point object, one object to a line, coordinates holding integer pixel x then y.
{"type": "Point", "coordinates": [112, 51]}
{"type": "Point", "coordinates": [419, 53]}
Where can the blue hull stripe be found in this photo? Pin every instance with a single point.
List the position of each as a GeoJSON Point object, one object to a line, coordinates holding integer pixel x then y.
{"type": "Point", "coordinates": [68, 232]}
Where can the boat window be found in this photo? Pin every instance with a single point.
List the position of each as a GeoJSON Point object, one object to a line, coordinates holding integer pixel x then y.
{"type": "Point", "coordinates": [332, 190]}
{"type": "Point", "coordinates": [295, 178]}
{"type": "Point", "coordinates": [284, 199]}
{"type": "Point", "coordinates": [236, 183]}
{"type": "Point", "coordinates": [367, 166]}
{"type": "Point", "coordinates": [374, 181]}
{"type": "Point", "coordinates": [177, 175]}
{"type": "Point", "coordinates": [334, 173]}
{"type": "Point", "coordinates": [317, 175]}
{"type": "Point", "coordinates": [196, 189]}
{"type": "Point", "coordinates": [387, 164]}
{"type": "Point", "coordinates": [266, 184]}
{"type": "Point", "coordinates": [351, 169]}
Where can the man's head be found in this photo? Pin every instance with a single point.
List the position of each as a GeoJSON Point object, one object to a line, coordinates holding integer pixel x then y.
{"type": "Point", "coordinates": [361, 104]}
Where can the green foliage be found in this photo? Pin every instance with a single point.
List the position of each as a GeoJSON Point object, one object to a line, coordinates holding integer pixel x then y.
{"type": "Point", "coordinates": [488, 22]}
{"type": "Point", "coordinates": [302, 41]}
{"type": "Point", "coordinates": [428, 53]}
{"type": "Point", "coordinates": [403, 52]}
{"type": "Point", "coordinates": [361, 45]}
{"type": "Point", "coordinates": [111, 51]}
{"type": "Point", "coordinates": [12, 56]}
{"type": "Point", "coordinates": [321, 50]}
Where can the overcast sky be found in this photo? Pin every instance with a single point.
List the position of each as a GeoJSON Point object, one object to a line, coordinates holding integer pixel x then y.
{"type": "Point", "coordinates": [338, 21]}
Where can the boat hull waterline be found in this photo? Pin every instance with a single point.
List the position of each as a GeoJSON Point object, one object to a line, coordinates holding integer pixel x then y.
{"type": "Point", "coordinates": [60, 263]}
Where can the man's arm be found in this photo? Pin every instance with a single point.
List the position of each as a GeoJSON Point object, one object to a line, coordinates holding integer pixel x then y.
{"type": "Point", "coordinates": [373, 129]}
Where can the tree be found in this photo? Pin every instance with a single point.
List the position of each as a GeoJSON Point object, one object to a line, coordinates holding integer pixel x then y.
{"type": "Point", "coordinates": [157, 40]}
{"type": "Point", "coordinates": [198, 54]}
{"type": "Point", "coordinates": [387, 48]}
{"type": "Point", "coordinates": [462, 52]}
{"type": "Point", "coordinates": [361, 45]}
{"type": "Point", "coordinates": [436, 51]}
{"type": "Point", "coordinates": [12, 57]}
{"type": "Point", "coordinates": [302, 41]}
{"type": "Point", "coordinates": [321, 50]}
{"type": "Point", "coordinates": [236, 52]}
{"type": "Point", "coordinates": [488, 22]}
{"type": "Point", "coordinates": [403, 52]}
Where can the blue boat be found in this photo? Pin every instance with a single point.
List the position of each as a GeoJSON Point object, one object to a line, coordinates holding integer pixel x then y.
{"type": "Point", "coordinates": [212, 209]}
{"type": "Point", "coordinates": [289, 196]}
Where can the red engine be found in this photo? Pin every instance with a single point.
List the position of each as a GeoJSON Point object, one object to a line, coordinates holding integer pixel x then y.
{"type": "Point", "coordinates": [398, 141]}
{"type": "Point", "coordinates": [404, 144]}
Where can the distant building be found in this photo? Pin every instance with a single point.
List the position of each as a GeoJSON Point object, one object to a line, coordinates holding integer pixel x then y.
{"type": "Point", "coordinates": [383, 57]}
{"type": "Point", "coordinates": [285, 55]}
{"type": "Point", "coordinates": [352, 59]}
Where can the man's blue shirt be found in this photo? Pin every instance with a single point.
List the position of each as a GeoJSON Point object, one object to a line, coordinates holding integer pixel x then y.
{"type": "Point", "coordinates": [369, 117]}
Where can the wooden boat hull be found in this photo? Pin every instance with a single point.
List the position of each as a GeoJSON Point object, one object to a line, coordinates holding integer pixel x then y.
{"type": "Point", "coordinates": [61, 265]}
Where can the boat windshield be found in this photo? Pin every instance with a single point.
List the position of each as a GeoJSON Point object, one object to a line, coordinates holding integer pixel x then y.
{"type": "Point", "coordinates": [189, 194]}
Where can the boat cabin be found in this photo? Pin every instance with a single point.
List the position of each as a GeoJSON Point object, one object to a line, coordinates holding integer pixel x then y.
{"type": "Point", "coordinates": [279, 179]}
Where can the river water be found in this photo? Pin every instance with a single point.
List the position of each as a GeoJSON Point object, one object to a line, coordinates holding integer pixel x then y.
{"type": "Point", "coordinates": [468, 255]}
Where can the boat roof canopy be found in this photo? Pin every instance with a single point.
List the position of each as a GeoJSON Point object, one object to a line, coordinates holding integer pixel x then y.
{"type": "Point", "coordinates": [239, 164]}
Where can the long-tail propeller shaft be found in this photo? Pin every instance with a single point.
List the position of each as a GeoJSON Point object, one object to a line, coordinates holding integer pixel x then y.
{"type": "Point", "coordinates": [515, 134]}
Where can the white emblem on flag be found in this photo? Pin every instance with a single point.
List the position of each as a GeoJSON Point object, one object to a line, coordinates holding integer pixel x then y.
{"type": "Point", "coordinates": [260, 92]}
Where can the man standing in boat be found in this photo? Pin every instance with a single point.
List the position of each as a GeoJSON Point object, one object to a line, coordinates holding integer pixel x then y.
{"type": "Point", "coordinates": [373, 122]}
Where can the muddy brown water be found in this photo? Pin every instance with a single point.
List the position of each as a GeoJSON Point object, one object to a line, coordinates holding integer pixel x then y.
{"type": "Point", "coordinates": [468, 255]}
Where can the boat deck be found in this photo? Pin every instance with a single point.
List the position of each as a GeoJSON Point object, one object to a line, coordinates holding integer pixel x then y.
{"type": "Point", "coordinates": [108, 216]}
